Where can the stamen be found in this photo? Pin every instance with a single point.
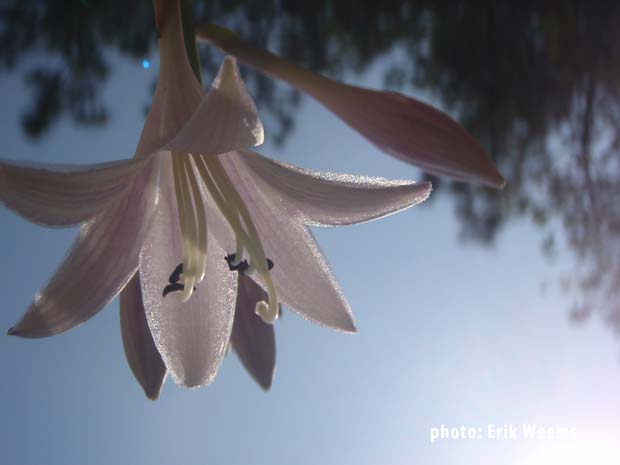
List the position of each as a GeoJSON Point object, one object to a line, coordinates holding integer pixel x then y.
{"type": "Point", "coordinates": [191, 274]}
{"type": "Point", "coordinates": [181, 209]}
{"type": "Point", "coordinates": [268, 312]}
{"type": "Point", "coordinates": [192, 221]}
{"type": "Point", "coordinates": [234, 210]}
{"type": "Point", "coordinates": [201, 262]}
{"type": "Point", "coordinates": [241, 237]}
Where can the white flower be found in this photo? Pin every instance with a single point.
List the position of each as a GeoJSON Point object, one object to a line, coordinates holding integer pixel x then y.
{"type": "Point", "coordinates": [159, 226]}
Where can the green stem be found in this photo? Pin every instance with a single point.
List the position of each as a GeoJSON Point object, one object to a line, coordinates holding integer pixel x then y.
{"type": "Point", "coordinates": [190, 37]}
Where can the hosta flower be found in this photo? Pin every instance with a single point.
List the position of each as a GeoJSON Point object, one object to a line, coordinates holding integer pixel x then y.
{"type": "Point", "coordinates": [203, 238]}
{"type": "Point", "coordinates": [405, 128]}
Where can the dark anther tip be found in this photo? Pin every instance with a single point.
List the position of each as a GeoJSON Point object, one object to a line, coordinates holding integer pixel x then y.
{"type": "Point", "coordinates": [173, 287]}
{"type": "Point", "coordinates": [242, 267]}
{"type": "Point", "coordinates": [176, 274]}
{"type": "Point", "coordinates": [230, 258]}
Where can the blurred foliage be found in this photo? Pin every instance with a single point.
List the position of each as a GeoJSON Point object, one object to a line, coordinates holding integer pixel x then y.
{"type": "Point", "coordinates": [537, 82]}
{"type": "Point", "coordinates": [65, 43]}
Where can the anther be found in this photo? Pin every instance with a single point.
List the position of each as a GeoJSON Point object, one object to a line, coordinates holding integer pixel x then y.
{"type": "Point", "coordinates": [172, 288]}
{"type": "Point", "coordinates": [233, 265]}
{"type": "Point", "coordinates": [174, 278]}
{"type": "Point", "coordinates": [176, 274]}
{"type": "Point", "coordinates": [242, 266]}
{"type": "Point", "coordinates": [231, 259]}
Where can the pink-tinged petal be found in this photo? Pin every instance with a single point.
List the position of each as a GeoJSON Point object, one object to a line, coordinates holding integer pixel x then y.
{"type": "Point", "coordinates": [142, 355]}
{"type": "Point", "coordinates": [413, 132]}
{"type": "Point", "coordinates": [178, 92]}
{"type": "Point", "coordinates": [64, 195]}
{"type": "Point", "coordinates": [302, 277]}
{"type": "Point", "coordinates": [102, 260]}
{"type": "Point", "coordinates": [401, 126]}
{"type": "Point", "coordinates": [331, 199]}
{"type": "Point", "coordinates": [226, 120]}
{"type": "Point", "coordinates": [252, 339]}
{"type": "Point", "coordinates": [191, 337]}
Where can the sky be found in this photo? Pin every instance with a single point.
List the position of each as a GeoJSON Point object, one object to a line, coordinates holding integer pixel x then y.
{"type": "Point", "coordinates": [450, 334]}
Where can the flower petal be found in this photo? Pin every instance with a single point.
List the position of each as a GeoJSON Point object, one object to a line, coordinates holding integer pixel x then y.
{"type": "Point", "coordinates": [102, 260]}
{"type": "Point", "coordinates": [303, 279]}
{"type": "Point", "coordinates": [142, 355]}
{"type": "Point", "coordinates": [226, 119]}
{"type": "Point", "coordinates": [401, 126]}
{"type": "Point", "coordinates": [178, 92]}
{"type": "Point", "coordinates": [64, 195]}
{"type": "Point", "coordinates": [191, 337]}
{"type": "Point", "coordinates": [331, 199]}
{"type": "Point", "coordinates": [413, 132]}
{"type": "Point", "coordinates": [252, 339]}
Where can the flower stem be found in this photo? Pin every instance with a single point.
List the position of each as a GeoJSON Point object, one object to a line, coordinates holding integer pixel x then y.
{"type": "Point", "coordinates": [190, 38]}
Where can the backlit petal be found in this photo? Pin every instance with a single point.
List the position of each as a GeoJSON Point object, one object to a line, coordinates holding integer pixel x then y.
{"type": "Point", "coordinates": [226, 119]}
{"type": "Point", "coordinates": [102, 260]}
{"type": "Point", "coordinates": [401, 126]}
{"type": "Point", "coordinates": [331, 199]}
{"type": "Point", "coordinates": [64, 195]}
{"type": "Point", "coordinates": [252, 339]}
{"type": "Point", "coordinates": [142, 355]}
{"type": "Point", "coordinates": [413, 132]}
{"type": "Point", "coordinates": [303, 279]}
{"type": "Point", "coordinates": [191, 337]}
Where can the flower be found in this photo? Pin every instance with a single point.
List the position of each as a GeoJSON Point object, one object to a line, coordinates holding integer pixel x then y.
{"type": "Point", "coordinates": [401, 126]}
{"type": "Point", "coordinates": [195, 232]}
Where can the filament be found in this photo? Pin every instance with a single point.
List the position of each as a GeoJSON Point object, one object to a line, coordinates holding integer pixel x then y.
{"type": "Point", "coordinates": [235, 211]}
{"type": "Point", "coordinates": [193, 223]}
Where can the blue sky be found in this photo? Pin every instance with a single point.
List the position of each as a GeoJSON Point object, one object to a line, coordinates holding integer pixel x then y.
{"type": "Point", "coordinates": [449, 333]}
